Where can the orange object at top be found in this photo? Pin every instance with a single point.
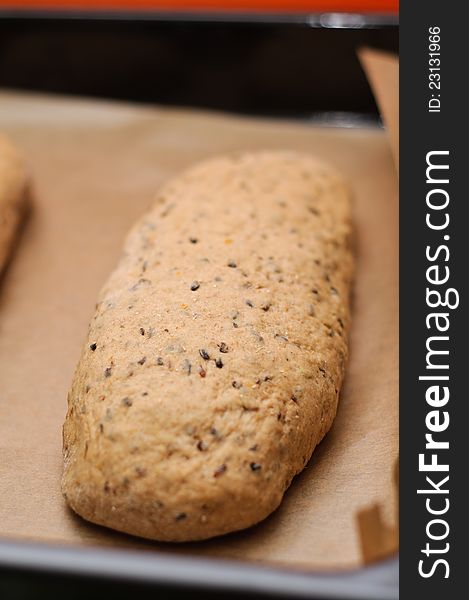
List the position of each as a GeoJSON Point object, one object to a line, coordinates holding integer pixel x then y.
{"type": "Point", "coordinates": [376, 6]}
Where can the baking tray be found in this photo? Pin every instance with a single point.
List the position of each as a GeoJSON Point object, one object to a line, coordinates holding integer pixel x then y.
{"type": "Point", "coordinates": [81, 571]}
{"type": "Point", "coordinates": [143, 57]}
{"type": "Point", "coordinates": [90, 155]}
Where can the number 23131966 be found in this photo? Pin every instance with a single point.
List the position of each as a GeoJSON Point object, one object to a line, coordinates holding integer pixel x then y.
{"type": "Point", "coordinates": [434, 69]}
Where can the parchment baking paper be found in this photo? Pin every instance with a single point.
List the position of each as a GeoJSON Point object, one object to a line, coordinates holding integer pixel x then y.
{"type": "Point", "coordinates": [96, 166]}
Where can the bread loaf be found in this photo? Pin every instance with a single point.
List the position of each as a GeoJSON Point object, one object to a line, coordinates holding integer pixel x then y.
{"type": "Point", "coordinates": [214, 361]}
{"type": "Point", "coordinates": [13, 197]}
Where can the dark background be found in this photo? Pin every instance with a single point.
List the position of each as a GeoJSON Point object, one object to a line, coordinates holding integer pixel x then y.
{"type": "Point", "coordinates": [276, 66]}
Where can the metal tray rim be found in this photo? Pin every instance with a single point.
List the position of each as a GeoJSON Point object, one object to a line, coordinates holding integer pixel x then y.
{"type": "Point", "coordinates": [376, 581]}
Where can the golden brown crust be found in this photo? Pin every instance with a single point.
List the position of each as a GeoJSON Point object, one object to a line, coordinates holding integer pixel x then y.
{"type": "Point", "coordinates": [13, 184]}
{"type": "Point", "coordinates": [214, 361]}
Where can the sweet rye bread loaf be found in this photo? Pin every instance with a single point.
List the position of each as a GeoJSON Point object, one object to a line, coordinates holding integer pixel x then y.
{"type": "Point", "coordinates": [13, 188]}
{"type": "Point", "coordinates": [215, 358]}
